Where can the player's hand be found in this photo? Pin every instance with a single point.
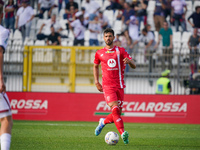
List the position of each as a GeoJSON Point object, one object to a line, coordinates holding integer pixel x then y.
{"type": "Point", "coordinates": [99, 87]}
{"type": "Point", "coordinates": [126, 60]}
{"type": "Point", "coordinates": [2, 87]}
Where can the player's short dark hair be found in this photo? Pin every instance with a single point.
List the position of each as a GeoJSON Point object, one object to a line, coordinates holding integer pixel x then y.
{"type": "Point", "coordinates": [109, 30]}
{"type": "Point", "coordinates": [144, 30]}
{"type": "Point", "coordinates": [197, 7]}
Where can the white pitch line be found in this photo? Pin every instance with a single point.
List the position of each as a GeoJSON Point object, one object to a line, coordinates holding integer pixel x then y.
{"type": "Point", "coordinates": [131, 114]}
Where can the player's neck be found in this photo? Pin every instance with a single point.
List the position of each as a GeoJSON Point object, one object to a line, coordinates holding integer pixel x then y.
{"type": "Point", "coordinates": [109, 46]}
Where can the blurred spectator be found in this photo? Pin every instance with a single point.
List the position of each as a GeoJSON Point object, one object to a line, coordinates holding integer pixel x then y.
{"type": "Point", "coordinates": [45, 5]}
{"type": "Point", "coordinates": [95, 29]}
{"type": "Point", "coordinates": [168, 9]}
{"type": "Point", "coordinates": [54, 38]}
{"type": "Point", "coordinates": [195, 16]}
{"type": "Point", "coordinates": [166, 35]}
{"type": "Point", "coordinates": [114, 4]}
{"type": "Point", "coordinates": [10, 15]}
{"type": "Point", "coordinates": [178, 14]}
{"type": "Point", "coordinates": [68, 6]}
{"type": "Point", "coordinates": [125, 40]}
{"type": "Point", "coordinates": [133, 28]}
{"type": "Point", "coordinates": [193, 44]}
{"type": "Point", "coordinates": [104, 21]}
{"type": "Point", "coordinates": [25, 15]}
{"type": "Point", "coordinates": [149, 41]}
{"type": "Point", "coordinates": [163, 84]}
{"type": "Point", "coordinates": [60, 4]}
{"type": "Point", "coordinates": [47, 28]}
{"type": "Point", "coordinates": [148, 27]}
{"type": "Point", "coordinates": [19, 3]}
{"type": "Point", "coordinates": [140, 9]}
{"type": "Point", "coordinates": [128, 11]}
{"type": "Point", "coordinates": [78, 30]}
{"type": "Point", "coordinates": [92, 8]}
{"type": "Point", "coordinates": [159, 14]}
{"type": "Point", "coordinates": [117, 41]}
{"type": "Point", "coordinates": [70, 16]}
{"type": "Point", "coordinates": [85, 16]}
{"type": "Point", "coordinates": [121, 10]}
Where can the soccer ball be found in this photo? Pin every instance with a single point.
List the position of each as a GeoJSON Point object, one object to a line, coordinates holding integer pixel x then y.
{"type": "Point", "coordinates": [111, 138]}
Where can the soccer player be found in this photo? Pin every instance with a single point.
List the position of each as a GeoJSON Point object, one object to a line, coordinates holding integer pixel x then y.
{"type": "Point", "coordinates": [5, 111]}
{"type": "Point", "coordinates": [113, 60]}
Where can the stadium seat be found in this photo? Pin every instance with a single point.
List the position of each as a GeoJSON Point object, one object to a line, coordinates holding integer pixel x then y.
{"type": "Point", "coordinates": [184, 49]}
{"type": "Point", "coordinates": [196, 3]}
{"type": "Point", "coordinates": [64, 43]}
{"type": "Point", "coordinates": [64, 32]}
{"type": "Point", "coordinates": [63, 23]}
{"type": "Point", "coordinates": [105, 4]}
{"type": "Point", "coordinates": [39, 23]}
{"type": "Point", "coordinates": [17, 35]}
{"type": "Point", "coordinates": [117, 25]}
{"type": "Point", "coordinates": [151, 5]}
{"type": "Point", "coordinates": [40, 42]}
{"type": "Point", "coordinates": [79, 3]}
{"type": "Point", "coordinates": [70, 35]}
{"type": "Point", "coordinates": [87, 35]}
{"type": "Point", "coordinates": [110, 15]}
{"type": "Point", "coordinates": [176, 37]}
{"type": "Point", "coordinates": [189, 5]}
{"type": "Point", "coordinates": [100, 2]}
{"type": "Point", "coordinates": [70, 42]}
{"type": "Point", "coordinates": [62, 12]}
{"type": "Point", "coordinates": [185, 37]}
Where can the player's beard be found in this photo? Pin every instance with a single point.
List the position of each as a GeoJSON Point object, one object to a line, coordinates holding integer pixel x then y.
{"type": "Point", "coordinates": [109, 43]}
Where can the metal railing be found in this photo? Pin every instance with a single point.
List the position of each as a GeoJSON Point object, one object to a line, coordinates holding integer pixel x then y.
{"type": "Point", "coordinates": [70, 69]}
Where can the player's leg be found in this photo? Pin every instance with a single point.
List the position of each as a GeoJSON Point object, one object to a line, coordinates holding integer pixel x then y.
{"type": "Point", "coordinates": [109, 95]}
{"type": "Point", "coordinates": [120, 96]}
{"type": "Point", "coordinates": [6, 122]}
{"type": "Point", "coordinates": [6, 127]}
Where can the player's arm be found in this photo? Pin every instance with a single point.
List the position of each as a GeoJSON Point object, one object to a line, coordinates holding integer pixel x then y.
{"type": "Point", "coordinates": [149, 44]}
{"type": "Point", "coordinates": [96, 77]}
{"type": "Point", "coordinates": [2, 85]}
{"type": "Point", "coordinates": [159, 38]}
{"type": "Point", "coordinates": [16, 23]}
{"type": "Point", "coordinates": [130, 62]}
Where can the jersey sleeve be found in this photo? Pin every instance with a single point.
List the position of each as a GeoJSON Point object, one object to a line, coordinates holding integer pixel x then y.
{"type": "Point", "coordinates": [73, 23]}
{"type": "Point", "coordinates": [96, 59]}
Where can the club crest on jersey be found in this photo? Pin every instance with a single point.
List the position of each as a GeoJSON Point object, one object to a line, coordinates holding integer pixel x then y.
{"type": "Point", "coordinates": [111, 63]}
{"type": "Point", "coordinates": [110, 51]}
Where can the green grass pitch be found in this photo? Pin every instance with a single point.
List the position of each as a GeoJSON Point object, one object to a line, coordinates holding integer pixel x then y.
{"type": "Point", "coordinates": [39, 135]}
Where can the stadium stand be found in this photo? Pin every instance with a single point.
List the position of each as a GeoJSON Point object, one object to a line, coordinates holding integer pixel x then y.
{"type": "Point", "coordinates": [181, 50]}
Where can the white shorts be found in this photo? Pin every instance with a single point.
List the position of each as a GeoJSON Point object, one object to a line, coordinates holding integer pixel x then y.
{"type": "Point", "coordinates": [5, 109]}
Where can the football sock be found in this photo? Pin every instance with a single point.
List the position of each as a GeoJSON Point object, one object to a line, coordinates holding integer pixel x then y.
{"type": "Point", "coordinates": [109, 119]}
{"type": "Point", "coordinates": [117, 119]}
{"type": "Point", "coordinates": [5, 141]}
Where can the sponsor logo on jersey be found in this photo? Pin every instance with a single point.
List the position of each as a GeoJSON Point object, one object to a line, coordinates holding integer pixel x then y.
{"type": "Point", "coordinates": [111, 63]}
{"type": "Point", "coordinates": [146, 109]}
{"type": "Point", "coordinates": [110, 51]}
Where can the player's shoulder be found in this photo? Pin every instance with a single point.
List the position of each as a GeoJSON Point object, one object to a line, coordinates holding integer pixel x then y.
{"type": "Point", "coordinates": [3, 30]}
{"type": "Point", "coordinates": [100, 50]}
{"type": "Point", "coordinates": [120, 48]}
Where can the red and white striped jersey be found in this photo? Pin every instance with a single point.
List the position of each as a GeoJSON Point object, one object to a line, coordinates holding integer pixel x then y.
{"type": "Point", "coordinates": [112, 66]}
